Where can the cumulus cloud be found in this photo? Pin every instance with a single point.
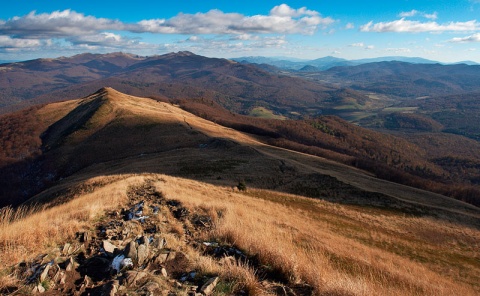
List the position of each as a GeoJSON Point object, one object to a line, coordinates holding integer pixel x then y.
{"type": "Point", "coordinates": [467, 39]}
{"type": "Point", "coordinates": [107, 39]}
{"type": "Point", "coordinates": [285, 10]}
{"type": "Point", "coordinates": [8, 42]}
{"type": "Point", "coordinates": [59, 24]}
{"type": "Point", "coordinates": [349, 26]}
{"type": "Point", "coordinates": [282, 19]}
{"type": "Point", "coordinates": [403, 25]}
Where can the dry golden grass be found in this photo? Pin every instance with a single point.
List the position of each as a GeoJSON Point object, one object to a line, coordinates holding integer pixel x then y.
{"type": "Point", "coordinates": [339, 249]}
{"type": "Point", "coordinates": [40, 229]}
{"type": "Point", "coordinates": [336, 249]}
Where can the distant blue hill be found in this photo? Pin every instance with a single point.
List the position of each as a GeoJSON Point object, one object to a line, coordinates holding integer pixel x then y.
{"type": "Point", "coordinates": [324, 63]}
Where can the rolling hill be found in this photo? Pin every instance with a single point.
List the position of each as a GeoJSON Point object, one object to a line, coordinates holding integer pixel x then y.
{"type": "Point", "coordinates": [407, 80]}
{"type": "Point", "coordinates": [42, 144]}
{"type": "Point", "coordinates": [326, 228]}
{"type": "Point", "coordinates": [237, 87]}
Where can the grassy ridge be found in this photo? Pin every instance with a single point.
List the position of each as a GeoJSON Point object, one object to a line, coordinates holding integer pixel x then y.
{"type": "Point", "coordinates": [336, 249]}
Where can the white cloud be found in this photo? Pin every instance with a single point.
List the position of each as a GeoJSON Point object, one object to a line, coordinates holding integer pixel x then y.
{"type": "Point", "coordinates": [410, 13]}
{"type": "Point", "coordinates": [432, 16]}
{"type": "Point", "coordinates": [72, 30]}
{"type": "Point", "coordinates": [245, 37]}
{"type": "Point", "coordinates": [467, 39]}
{"type": "Point", "coordinates": [359, 44]}
{"type": "Point", "coordinates": [349, 26]}
{"type": "Point", "coordinates": [403, 25]}
{"type": "Point", "coordinates": [59, 24]}
{"type": "Point", "coordinates": [413, 12]}
{"type": "Point", "coordinates": [284, 10]}
{"type": "Point", "coordinates": [105, 39]}
{"type": "Point", "coordinates": [194, 38]}
{"type": "Point", "coordinates": [8, 42]}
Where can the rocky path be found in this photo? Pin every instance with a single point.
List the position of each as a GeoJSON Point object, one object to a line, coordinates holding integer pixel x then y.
{"type": "Point", "coordinates": [143, 249]}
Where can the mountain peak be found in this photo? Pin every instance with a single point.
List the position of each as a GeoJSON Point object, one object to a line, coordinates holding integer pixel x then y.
{"type": "Point", "coordinates": [107, 91]}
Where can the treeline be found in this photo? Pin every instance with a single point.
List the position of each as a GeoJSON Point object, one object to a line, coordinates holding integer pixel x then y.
{"type": "Point", "coordinates": [388, 157]}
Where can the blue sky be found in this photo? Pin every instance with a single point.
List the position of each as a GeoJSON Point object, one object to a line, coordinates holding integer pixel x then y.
{"type": "Point", "coordinates": [447, 31]}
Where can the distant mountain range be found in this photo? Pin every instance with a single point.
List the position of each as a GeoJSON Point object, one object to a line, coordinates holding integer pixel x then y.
{"type": "Point", "coordinates": [235, 86]}
{"type": "Point", "coordinates": [328, 62]}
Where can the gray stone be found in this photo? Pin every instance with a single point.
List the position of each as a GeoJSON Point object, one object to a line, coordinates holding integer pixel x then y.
{"type": "Point", "coordinates": [40, 288]}
{"type": "Point", "coordinates": [131, 251]}
{"type": "Point", "coordinates": [109, 247]}
{"type": "Point", "coordinates": [66, 248]}
{"type": "Point", "coordinates": [208, 287]}
{"type": "Point", "coordinates": [159, 242]}
{"type": "Point", "coordinates": [44, 274]}
{"type": "Point", "coordinates": [164, 272]}
{"type": "Point", "coordinates": [63, 277]}
{"type": "Point", "coordinates": [142, 254]}
{"type": "Point", "coordinates": [161, 258]}
{"type": "Point", "coordinates": [70, 264]}
{"type": "Point", "coordinates": [132, 277]}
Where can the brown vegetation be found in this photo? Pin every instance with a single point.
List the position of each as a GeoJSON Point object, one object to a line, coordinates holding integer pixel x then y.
{"type": "Point", "coordinates": [389, 157]}
{"type": "Point", "coordinates": [335, 249]}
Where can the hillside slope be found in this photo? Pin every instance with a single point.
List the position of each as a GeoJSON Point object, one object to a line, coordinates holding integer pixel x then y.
{"type": "Point", "coordinates": [304, 225]}
{"type": "Point", "coordinates": [114, 131]}
{"type": "Point", "coordinates": [237, 87]}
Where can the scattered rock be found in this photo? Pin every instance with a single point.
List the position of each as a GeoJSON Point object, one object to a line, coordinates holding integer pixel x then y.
{"type": "Point", "coordinates": [38, 289]}
{"type": "Point", "coordinates": [208, 287]}
{"type": "Point", "coordinates": [132, 277]}
{"type": "Point", "coordinates": [66, 248]}
{"type": "Point", "coordinates": [44, 274]}
{"type": "Point", "coordinates": [109, 247]}
{"type": "Point", "coordinates": [131, 251]}
{"type": "Point", "coordinates": [142, 253]}
{"type": "Point", "coordinates": [164, 272]}
{"type": "Point", "coordinates": [70, 264]}
{"type": "Point", "coordinates": [159, 242]}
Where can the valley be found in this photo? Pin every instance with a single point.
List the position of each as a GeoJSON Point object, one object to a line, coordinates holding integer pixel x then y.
{"type": "Point", "coordinates": [307, 187]}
